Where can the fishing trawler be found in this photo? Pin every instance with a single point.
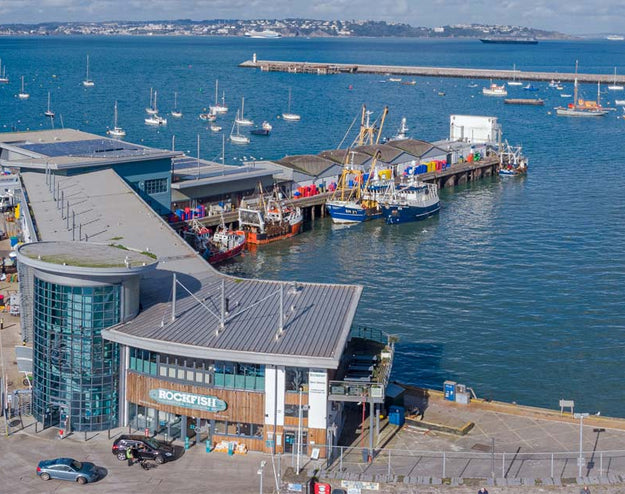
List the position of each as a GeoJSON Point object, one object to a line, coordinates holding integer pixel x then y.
{"type": "Point", "coordinates": [356, 197]}
{"type": "Point", "coordinates": [224, 244]}
{"type": "Point", "coordinates": [274, 219]}
{"type": "Point", "coordinates": [410, 201]}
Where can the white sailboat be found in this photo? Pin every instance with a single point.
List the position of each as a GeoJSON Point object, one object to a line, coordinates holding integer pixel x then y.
{"type": "Point", "coordinates": [116, 131]}
{"type": "Point", "coordinates": [176, 113]}
{"type": "Point", "coordinates": [154, 118]}
{"type": "Point", "coordinates": [614, 86]}
{"type": "Point", "coordinates": [215, 128]}
{"type": "Point", "coordinates": [241, 120]}
{"type": "Point", "coordinates": [152, 110]}
{"type": "Point", "coordinates": [238, 138]}
{"type": "Point", "coordinates": [88, 82]}
{"type": "Point", "coordinates": [48, 112]}
{"type": "Point", "coordinates": [23, 94]}
{"type": "Point", "coordinates": [288, 116]}
{"type": "Point", "coordinates": [514, 82]}
{"type": "Point", "coordinates": [3, 77]}
{"type": "Point", "coordinates": [219, 108]}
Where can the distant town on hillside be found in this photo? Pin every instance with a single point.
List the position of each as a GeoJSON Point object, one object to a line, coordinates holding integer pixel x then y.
{"type": "Point", "coordinates": [272, 28]}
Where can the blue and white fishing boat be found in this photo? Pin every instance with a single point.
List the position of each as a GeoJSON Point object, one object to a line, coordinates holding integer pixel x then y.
{"type": "Point", "coordinates": [411, 201]}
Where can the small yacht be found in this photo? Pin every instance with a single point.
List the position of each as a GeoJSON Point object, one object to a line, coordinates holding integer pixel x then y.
{"type": "Point", "coordinates": [152, 110]}
{"type": "Point", "coordinates": [48, 112]}
{"type": "Point", "coordinates": [514, 81]}
{"type": "Point", "coordinates": [241, 120]}
{"type": "Point", "coordinates": [23, 94]}
{"type": "Point", "coordinates": [3, 76]}
{"type": "Point", "coordinates": [219, 108]}
{"type": "Point", "coordinates": [237, 137]}
{"type": "Point", "coordinates": [265, 129]}
{"type": "Point", "coordinates": [155, 120]}
{"type": "Point", "coordinates": [288, 116]}
{"type": "Point", "coordinates": [215, 128]}
{"type": "Point", "coordinates": [88, 82]}
{"type": "Point", "coordinates": [116, 131]}
{"type": "Point", "coordinates": [614, 86]}
{"type": "Point", "coordinates": [494, 90]}
{"type": "Point", "coordinates": [176, 113]}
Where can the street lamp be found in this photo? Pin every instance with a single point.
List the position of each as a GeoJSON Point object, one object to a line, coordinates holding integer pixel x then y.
{"type": "Point", "coordinates": [580, 460]}
{"type": "Point", "coordinates": [260, 474]}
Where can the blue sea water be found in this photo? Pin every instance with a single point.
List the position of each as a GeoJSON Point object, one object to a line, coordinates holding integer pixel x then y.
{"type": "Point", "coordinates": [515, 289]}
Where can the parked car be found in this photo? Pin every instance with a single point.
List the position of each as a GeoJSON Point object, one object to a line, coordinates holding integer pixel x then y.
{"type": "Point", "coordinates": [147, 447]}
{"type": "Point", "coordinates": [68, 469]}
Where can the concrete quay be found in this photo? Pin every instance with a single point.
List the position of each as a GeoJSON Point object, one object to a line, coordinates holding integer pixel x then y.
{"type": "Point", "coordinates": [321, 68]}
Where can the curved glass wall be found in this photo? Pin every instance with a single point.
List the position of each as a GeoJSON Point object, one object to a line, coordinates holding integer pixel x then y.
{"type": "Point", "coordinates": [75, 370]}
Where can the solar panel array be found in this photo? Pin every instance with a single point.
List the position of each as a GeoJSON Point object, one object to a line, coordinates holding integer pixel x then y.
{"type": "Point", "coordinates": [94, 148]}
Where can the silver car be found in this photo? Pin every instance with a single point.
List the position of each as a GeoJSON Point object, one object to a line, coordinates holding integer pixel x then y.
{"type": "Point", "coordinates": [67, 469]}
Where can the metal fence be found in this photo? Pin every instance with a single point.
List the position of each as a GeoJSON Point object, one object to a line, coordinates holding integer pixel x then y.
{"type": "Point", "coordinates": [397, 464]}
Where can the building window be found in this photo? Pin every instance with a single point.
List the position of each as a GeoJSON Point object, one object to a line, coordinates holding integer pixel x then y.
{"type": "Point", "coordinates": [296, 377]}
{"type": "Point", "coordinates": [292, 411]}
{"type": "Point", "coordinates": [75, 370]}
{"type": "Point", "coordinates": [155, 185]}
{"type": "Point", "coordinates": [238, 429]}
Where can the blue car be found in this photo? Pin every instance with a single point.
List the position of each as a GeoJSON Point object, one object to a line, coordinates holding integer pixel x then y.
{"type": "Point", "coordinates": [67, 469]}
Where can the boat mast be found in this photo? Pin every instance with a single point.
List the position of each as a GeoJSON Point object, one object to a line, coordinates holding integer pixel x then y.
{"type": "Point", "coordinates": [575, 86]}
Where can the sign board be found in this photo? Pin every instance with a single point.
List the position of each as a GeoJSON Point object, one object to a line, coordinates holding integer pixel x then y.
{"type": "Point", "coordinates": [295, 488]}
{"type": "Point", "coordinates": [356, 484]}
{"type": "Point", "coordinates": [377, 392]}
{"type": "Point", "coordinates": [317, 382]}
{"type": "Point", "coordinates": [188, 400]}
{"type": "Point", "coordinates": [354, 490]}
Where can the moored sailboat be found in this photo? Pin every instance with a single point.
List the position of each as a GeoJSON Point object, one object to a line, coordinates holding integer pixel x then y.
{"type": "Point", "coordinates": [176, 113]}
{"type": "Point", "coordinates": [23, 94]}
{"type": "Point", "coordinates": [288, 116]}
{"type": "Point", "coordinates": [240, 119]}
{"type": "Point", "coordinates": [217, 107]}
{"type": "Point", "coordinates": [237, 137]}
{"type": "Point", "coordinates": [88, 82]}
{"type": "Point", "coordinates": [49, 112]}
{"type": "Point", "coordinates": [116, 131]}
{"type": "Point", "coordinates": [3, 76]}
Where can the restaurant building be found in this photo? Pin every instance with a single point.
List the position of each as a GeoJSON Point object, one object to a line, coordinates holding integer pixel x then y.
{"type": "Point", "coordinates": [131, 327]}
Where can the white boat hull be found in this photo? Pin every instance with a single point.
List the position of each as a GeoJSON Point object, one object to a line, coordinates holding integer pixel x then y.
{"type": "Point", "coordinates": [291, 117]}
{"type": "Point", "coordinates": [239, 139]}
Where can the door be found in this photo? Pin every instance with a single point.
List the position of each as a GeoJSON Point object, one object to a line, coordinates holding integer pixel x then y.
{"type": "Point", "coordinates": [289, 441]}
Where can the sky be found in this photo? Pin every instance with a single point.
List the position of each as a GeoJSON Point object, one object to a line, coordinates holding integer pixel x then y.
{"type": "Point", "coordinates": [565, 16]}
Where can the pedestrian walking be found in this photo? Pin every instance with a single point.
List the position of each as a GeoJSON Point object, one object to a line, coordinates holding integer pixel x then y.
{"type": "Point", "coordinates": [482, 491]}
{"type": "Point", "coordinates": [584, 490]}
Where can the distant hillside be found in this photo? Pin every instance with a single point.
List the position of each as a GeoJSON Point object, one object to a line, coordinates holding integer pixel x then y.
{"type": "Point", "coordinates": [285, 27]}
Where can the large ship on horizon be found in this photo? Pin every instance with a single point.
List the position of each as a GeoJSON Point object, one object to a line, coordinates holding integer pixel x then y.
{"type": "Point", "coordinates": [266, 34]}
{"type": "Point", "coordinates": [510, 40]}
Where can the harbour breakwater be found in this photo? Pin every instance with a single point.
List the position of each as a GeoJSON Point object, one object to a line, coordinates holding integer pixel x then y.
{"type": "Point", "coordinates": [295, 67]}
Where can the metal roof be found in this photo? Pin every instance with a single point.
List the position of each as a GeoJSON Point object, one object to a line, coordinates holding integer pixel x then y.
{"type": "Point", "coordinates": [414, 147]}
{"type": "Point", "coordinates": [338, 156]}
{"type": "Point", "coordinates": [311, 164]}
{"type": "Point", "coordinates": [317, 317]}
{"type": "Point", "coordinates": [188, 174]}
{"type": "Point", "coordinates": [387, 153]}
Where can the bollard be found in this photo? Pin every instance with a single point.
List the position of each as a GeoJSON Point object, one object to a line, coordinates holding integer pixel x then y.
{"type": "Point", "coordinates": [1, 323]}
{"type": "Point", "coordinates": [147, 432]}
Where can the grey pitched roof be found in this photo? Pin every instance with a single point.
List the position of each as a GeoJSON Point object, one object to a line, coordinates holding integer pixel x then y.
{"type": "Point", "coordinates": [387, 153]}
{"type": "Point", "coordinates": [311, 164]}
{"type": "Point", "coordinates": [414, 147]}
{"type": "Point", "coordinates": [338, 156]}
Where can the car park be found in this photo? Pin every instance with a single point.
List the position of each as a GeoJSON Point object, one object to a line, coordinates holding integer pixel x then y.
{"type": "Point", "coordinates": [147, 448]}
{"type": "Point", "coordinates": [67, 469]}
